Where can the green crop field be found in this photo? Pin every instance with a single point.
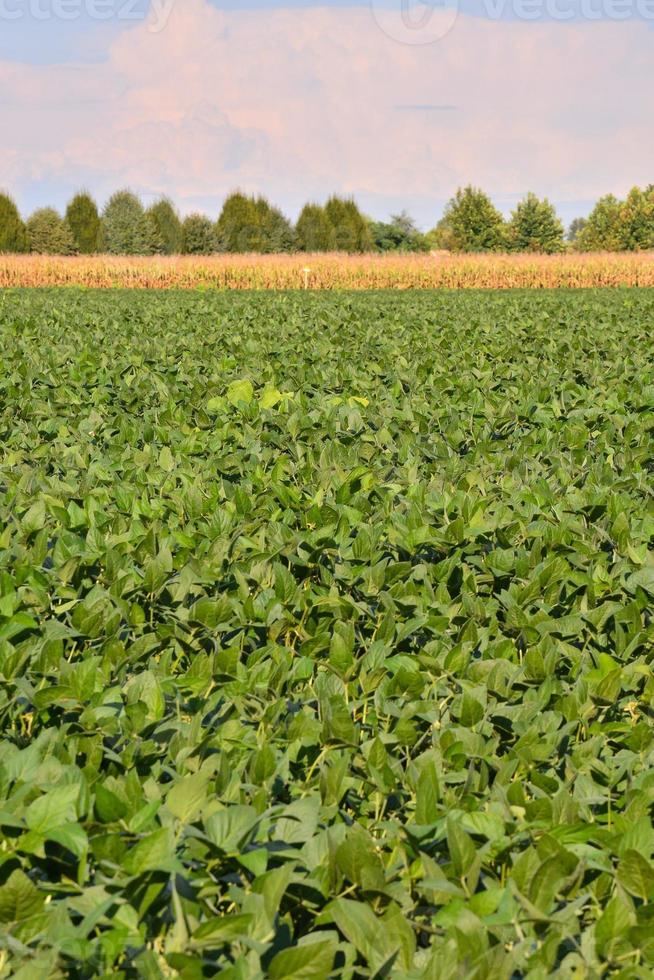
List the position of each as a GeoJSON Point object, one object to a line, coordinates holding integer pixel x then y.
{"type": "Point", "coordinates": [326, 635]}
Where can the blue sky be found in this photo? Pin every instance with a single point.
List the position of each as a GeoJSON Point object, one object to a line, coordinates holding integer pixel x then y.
{"type": "Point", "coordinates": [299, 100]}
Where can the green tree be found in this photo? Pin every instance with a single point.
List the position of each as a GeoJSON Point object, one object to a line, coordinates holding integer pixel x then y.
{"type": "Point", "coordinates": [50, 234]}
{"type": "Point", "coordinates": [249, 224]}
{"type": "Point", "coordinates": [535, 227]}
{"type": "Point", "coordinates": [576, 228]}
{"type": "Point", "coordinates": [168, 226]}
{"type": "Point", "coordinates": [127, 230]}
{"type": "Point", "coordinates": [400, 234]}
{"type": "Point", "coordinates": [237, 227]}
{"type": "Point", "coordinates": [637, 220]}
{"type": "Point", "coordinates": [198, 236]}
{"type": "Point", "coordinates": [472, 223]}
{"type": "Point", "coordinates": [13, 234]}
{"type": "Point", "coordinates": [603, 229]}
{"type": "Point", "coordinates": [313, 229]}
{"type": "Point", "coordinates": [350, 229]}
{"type": "Point", "coordinates": [84, 222]}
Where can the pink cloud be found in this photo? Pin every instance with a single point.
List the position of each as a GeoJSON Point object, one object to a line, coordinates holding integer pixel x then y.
{"type": "Point", "coordinates": [299, 102]}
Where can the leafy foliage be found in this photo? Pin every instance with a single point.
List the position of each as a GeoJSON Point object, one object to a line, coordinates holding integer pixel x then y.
{"type": "Point", "coordinates": [251, 224]}
{"type": "Point", "coordinates": [350, 231]}
{"type": "Point", "coordinates": [198, 236]}
{"type": "Point", "coordinates": [325, 635]}
{"type": "Point", "coordinates": [400, 234]}
{"type": "Point", "coordinates": [127, 229]}
{"type": "Point", "coordinates": [168, 227]}
{"type": "Point", "coordinates": [471, 223]}
{"type": "Point", "coordinates": [603, 229]}
{"type": "Point", "coordinates": [314, 230]}
{"type": "Point", "coordinates": [535, 227]}
{"type": "Point", "coordinates": [13, 234]}
{"type": "Point", "coordinates": [50, 234]}
{"type": "Point", "coordinates": [84, 222]}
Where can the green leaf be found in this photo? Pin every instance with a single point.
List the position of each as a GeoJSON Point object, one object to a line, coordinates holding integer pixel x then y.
{"type": "Point", "coordinates": [240, 391]}
{"type": "Point", "coordinates": [188, 796]}
{"type": "Point", "coordinates": [156, 852]}
{"type": "Point", "coordinates": [19, 898]}
{"type": "Point", "coordinates": [636, 874]}
{"type": "Point", "coordinates": [311, 961]}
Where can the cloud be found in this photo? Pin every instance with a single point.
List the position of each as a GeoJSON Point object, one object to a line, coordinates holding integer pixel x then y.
{"type": "Point", "coordinates": [298, 103]}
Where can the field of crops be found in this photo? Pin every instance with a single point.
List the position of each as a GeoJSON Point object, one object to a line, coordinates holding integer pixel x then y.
{"type": "Point", "coordinates": [325, 635]}
{"type": "Point", "coordinates": [438, 270]}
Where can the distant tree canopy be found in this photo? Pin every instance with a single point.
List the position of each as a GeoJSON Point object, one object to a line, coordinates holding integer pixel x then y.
{"type": "Point", "coordinates": [535, 227]}
{"type": "Point", "coordinates": [163, 218]}
{"type": "Point", "coordinates": [400, 234]}
{"type": "Point", "coordinates": [13, 234]}
{"type": "Point", "coordinates": [50, 234]}
{"type": "Point", "coordinates": [472, 223]}
{"type": "Point", "coordinates": [350, 229]}
{"type": "Point", "coordinates": [198, 237]}
{"type": "Point", "coordinates": [84, 222]}
{"type": "Point", "coordinates": [314, 230]}
{"type": "Point", "coordinates": [127, 229]}
{"type": "Point", "coordinates": [249, 223]}
{"type": "Point", "coordinates": [577, 225]}
{"type": "Point", "coordinates": [602, 231]}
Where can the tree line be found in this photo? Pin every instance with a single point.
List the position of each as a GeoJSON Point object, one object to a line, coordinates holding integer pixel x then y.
{"type": "Point", "coordinates": [470, 223]}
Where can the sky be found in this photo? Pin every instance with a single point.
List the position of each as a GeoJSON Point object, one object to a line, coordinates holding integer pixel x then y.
{"type": "Point", "coordinates": [396, 102]}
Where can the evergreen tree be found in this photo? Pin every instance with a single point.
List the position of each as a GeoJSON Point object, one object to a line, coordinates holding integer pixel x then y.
{"type": "Point", "coordinates": [350, 229]}
{"type": "Point", "coordinates": [13, 234]}
{"type": "Point", "coordinates": [603, 229]}
{"type": "Point", "coordinates": [50, 234]}
{"type": "Point", "coordinates": [168, 226]}
{"type": "Point", "coordinates": [126, 228]}
{"type": "Point", "coordinates": [471, 222]}
{"type": "Point", "coordinates": [198, 236]}
{"type": "Point", "coordinates": [637, 220]}
{"type": "Point", "coordinates": [535, 227]}
{"type": "Point", "coordinates": [237, 228]}
{"type": "Point", "coordinates": [275, 230]}
{"type": "Point", "coordinates": [249, 224]}
{"type": "Point", "coordinates": [313, 229]}
{"type": "Point", "coordinates": [84, 222]}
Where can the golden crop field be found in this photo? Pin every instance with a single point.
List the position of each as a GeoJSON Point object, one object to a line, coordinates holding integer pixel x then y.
{"type": "Point", "coordinates": [331, 271]}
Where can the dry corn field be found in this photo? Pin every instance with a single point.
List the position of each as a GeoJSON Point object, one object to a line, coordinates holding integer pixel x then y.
{"type": "Point", "coordinates": [331, 271]}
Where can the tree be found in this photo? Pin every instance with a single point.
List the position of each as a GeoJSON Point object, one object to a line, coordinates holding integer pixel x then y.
{"type": "Point", "coordinates": [248, 224]}
{"type": "Point", "coordinates": [602, 231]}
{"type": "Point", "coordinates": [313, 229]}
{"type": "Point", "coordinates": [13, 234]}
{"type": "Point", "coordinates": [50, 234]}
{"type": "Point", "coordinates": [637, 220]}
{"type": "Point", "coordinates": [127, 230]}
{"type": "Point", "coordinates": [471, 222]}
{"type": "Point", "coordinates": [198, 235]}
{"type": "Point", "coordinates": [535, 227]}
{"type": "Point", "coordinates": [575, 230]}
{"type": "Point", "coordinates": [84, 222]}
{"type": "Point", "coordinates": [400, 234]}
{"type": "Point", "coordinates": [349, 228]}
{"type": "Point", "coordinates": [276, 231]}
{"type": "Point", "coordinates": [168, 226]}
